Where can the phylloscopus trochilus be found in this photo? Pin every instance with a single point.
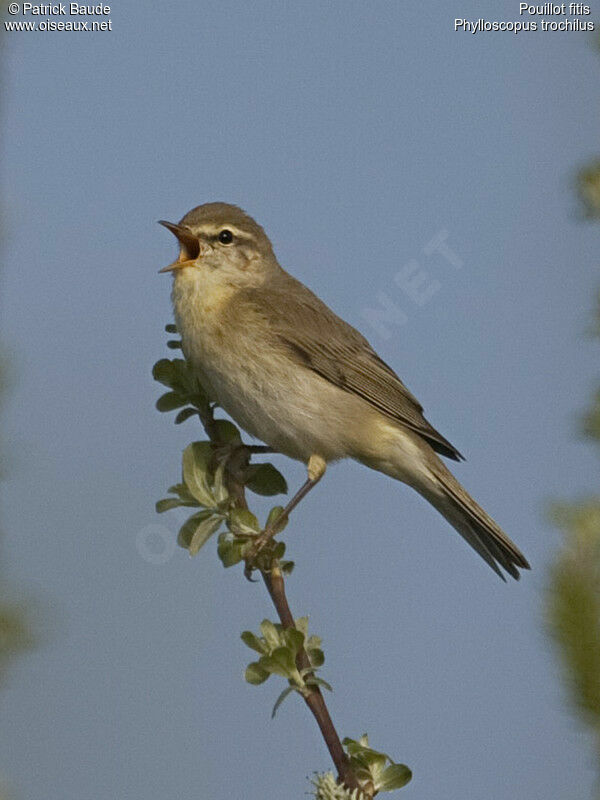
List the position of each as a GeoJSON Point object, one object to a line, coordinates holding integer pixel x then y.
{"type": "Point", "coordinates": [302, 380]}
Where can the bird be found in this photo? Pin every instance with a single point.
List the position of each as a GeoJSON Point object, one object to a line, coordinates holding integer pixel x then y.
{"type": "Point", "coordinates": [299, 378]}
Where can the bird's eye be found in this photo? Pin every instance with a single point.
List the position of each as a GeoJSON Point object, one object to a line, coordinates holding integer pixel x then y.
{"type": "Point", "coordinates": [226, 236]}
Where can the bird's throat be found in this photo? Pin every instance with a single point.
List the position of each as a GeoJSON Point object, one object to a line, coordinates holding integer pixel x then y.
{"type": "Point", "coordinates": [196, 293]}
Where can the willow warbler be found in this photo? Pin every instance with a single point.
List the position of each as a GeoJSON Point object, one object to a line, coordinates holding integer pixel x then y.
{"type": "Point", "coordinates": [295, 375]}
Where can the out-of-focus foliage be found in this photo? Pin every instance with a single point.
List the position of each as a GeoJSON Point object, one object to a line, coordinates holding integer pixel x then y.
{"type": "Point", "coordinates": [591, 421]}
{"type": "Point", "coordinates": [573, 600]}
{"type": "Point", "coordinates": [594, 328]}
{"type": "Point", "coordinates": [15, 634]}
{"type": "Point", "coordinates": [15, 630]}
{"type": "Point", "coordinates": [588, 183]}
{"type": "Point", "coordinates": [588, 189]}
{"type": "Point", "coordinates": [573, 603]}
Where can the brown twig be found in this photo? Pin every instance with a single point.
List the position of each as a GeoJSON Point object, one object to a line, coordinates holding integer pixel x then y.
{"type": "Point", "coordinates": [274, 582]}
{"type": "Point", "coordinates": [315, 700]}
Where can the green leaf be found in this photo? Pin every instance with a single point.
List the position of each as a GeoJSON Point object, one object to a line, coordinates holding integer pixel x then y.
{"type": "Point", "coordinates": [376, 761]}
{"type": "Point", "coordinates": [199, 399]}
{"type": "Point", "coordinates": [243, 521]}
{"type": "Point", "coordinates": [200, 454]}
{"type": "Point", "coordinates": [287, 567]}
{"type": "Point", "coordinates": [279, 550]}
{"type": "Point", "coordinates": [169, 401]}
{"type": "Point", "coordinates": [316, 657]}
{"type": "Point", "coordinates": [173, 344]}
{"type": "Point", "coordinates": [314, 680]}
{"type": "Point", "coordinates": [280, 699]}
{"type": "Point", "coordinates": [274, 515]}
{"type": "Point", "coordinates": [363, 754]}
{"type": "Point", "coordinates": [229, 549]}
{"type": "Point", "coordinates": [170, 328]}
{"type": "Point", "coordinates": [203, 532]}
{"type": "Point", "coordinates": [255, 674]}
{"type": "Point", "coordinates": [184, 494]}
{"type": "Point", "coordinates": [274, 667]}
{"type": "Point", "coordinates": [162, 372]}
{"type": "Point", "coordinates": [294, 640]}
{"type": "Point", "coordinates": [184, 414]}
{"type": "Point", "coordinates": [176, 374]}
{"type": "Point", "coordinates": [187, 530]}
{"type": "Point", "coordinates": [393, 777]}
{"type": "Point", "coordinates": [196, 457]}
{"type": "Point", "coordinates": [225, 432]}
{"type": "Point", "coordinates": [266, 480]}
{"type": "Point", "coordinates": [253, 642]}
{"type": "Point", "coordinates": [221, 492]}
{"type": "Point", "coordinates": [270, 633]}
{"type": "Point", "coordinates": [353, 747]}
{"type": "Point", "coordinates": [167, 503]}
{"type": "Point", "coordinates": [284, 658]}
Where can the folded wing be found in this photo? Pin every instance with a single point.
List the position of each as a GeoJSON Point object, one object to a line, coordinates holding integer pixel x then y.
{"type": "Point", "coordinates": [319, 340]}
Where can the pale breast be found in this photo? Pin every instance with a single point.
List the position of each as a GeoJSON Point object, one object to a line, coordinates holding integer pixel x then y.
{"type": "Point", "coordinates": [285, 405]}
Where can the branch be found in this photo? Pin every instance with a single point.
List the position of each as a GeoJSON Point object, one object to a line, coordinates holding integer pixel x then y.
{"type": "Point", "coordinates": [274, 582]}
{"type": "Point", "coordinates": [215, 476]}
{"type": "Point", "coordinates": [315, 700]}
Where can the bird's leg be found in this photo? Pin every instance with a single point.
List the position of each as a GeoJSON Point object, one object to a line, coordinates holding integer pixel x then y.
{"type": "Point", "coordinates": [316, 469]}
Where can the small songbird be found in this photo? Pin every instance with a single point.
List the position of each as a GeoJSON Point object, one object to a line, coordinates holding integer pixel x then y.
{"type": "Point", "coordinates": [295, 375]}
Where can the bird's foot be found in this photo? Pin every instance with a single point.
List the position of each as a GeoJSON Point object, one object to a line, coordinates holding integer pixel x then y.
{"type": "Point", "coordinates": [316, 469]}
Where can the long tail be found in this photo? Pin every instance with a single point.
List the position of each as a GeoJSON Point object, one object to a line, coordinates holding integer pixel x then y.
{"type": "Point", "coordinates": [405, 456]}
{"type": "Point", "coordinates": [446, 494]}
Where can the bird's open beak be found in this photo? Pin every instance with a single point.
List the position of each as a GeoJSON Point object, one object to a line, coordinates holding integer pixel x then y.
{"type": "Point", "coordinates": [191, 247]}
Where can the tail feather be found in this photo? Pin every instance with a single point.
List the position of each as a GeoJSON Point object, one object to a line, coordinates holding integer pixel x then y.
{"type": "Point", "coordinates": [475, 525]}
{"type": "Point", "coordinates": [403, 455]}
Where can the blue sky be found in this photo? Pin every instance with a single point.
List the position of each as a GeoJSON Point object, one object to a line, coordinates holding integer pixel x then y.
{"type": "Point", "coordinates": [355, 134]}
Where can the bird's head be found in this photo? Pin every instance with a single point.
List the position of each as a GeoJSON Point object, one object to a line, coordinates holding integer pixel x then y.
{"type": "Point", "coordinates": [223, 240]}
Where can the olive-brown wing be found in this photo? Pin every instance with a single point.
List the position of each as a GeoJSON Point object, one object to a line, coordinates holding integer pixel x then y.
{"type": "Point", "coordinates": [319, 340]}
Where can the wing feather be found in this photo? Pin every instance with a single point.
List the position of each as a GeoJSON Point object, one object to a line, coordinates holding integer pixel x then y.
{"type": "Point", "coordinates": [321, 341]}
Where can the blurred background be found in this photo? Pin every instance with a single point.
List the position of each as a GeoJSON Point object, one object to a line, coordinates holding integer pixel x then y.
{"type": "Point", "coordinates": [373, 143]}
